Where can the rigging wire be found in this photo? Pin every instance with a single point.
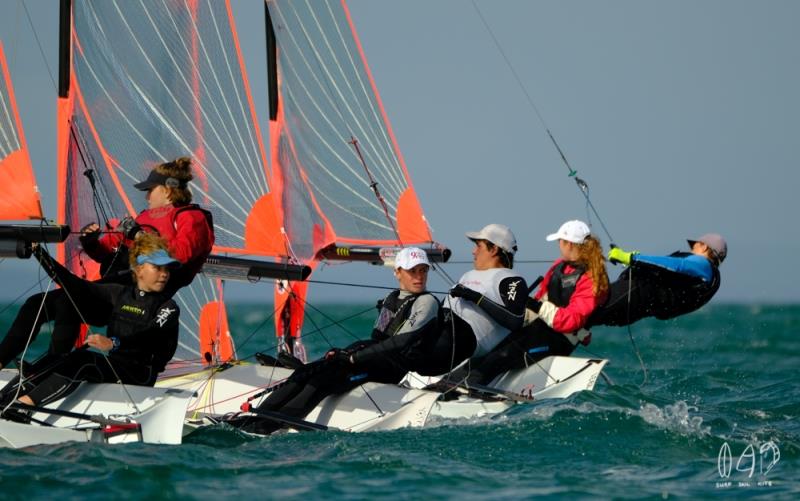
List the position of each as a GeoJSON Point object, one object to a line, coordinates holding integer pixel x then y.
{"type": "Point", "coordinates": [105, 356]}
{"type": "Point", "coordinates": [582, 185]}
{"type": "Point", "coordinates": [630, 332]}
{"type": "Point", "coordinates": [24, 351]}
{"type": "Point", "coordinates": [39, 44]}
{"type": "Point", "coordinates": [380, 411]}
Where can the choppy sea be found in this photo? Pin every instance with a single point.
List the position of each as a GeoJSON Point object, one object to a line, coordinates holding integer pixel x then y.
{"type": "Point", "coordinates": [715, 417]}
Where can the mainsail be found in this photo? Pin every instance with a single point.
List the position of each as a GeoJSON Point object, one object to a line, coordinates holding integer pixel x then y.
{"type": "Point", "coordinates": [337, 170]}
{"type": "Point", "coordinates": [327, 99]}
{"type": "Point", "coordinates": [19, 196]}
{"type": "Point", "coordinates": [149, 82]}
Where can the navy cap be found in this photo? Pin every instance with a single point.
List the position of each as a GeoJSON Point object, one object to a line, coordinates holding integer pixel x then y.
{"type": "Point", "coordinates": [155, 179]}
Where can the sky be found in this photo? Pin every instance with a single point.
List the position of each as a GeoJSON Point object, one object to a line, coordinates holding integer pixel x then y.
{"type": "Point", "coordinates": [682, 116]}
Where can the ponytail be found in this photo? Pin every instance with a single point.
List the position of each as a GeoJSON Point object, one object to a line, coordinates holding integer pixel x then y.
{"type": "Point", "coordinates": [180, 169]}
{"type": "Point", "coordinates": [590, 255]}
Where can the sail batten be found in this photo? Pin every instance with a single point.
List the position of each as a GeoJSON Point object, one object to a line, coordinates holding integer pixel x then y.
{"type": "Point", "coordinates": [374, 140]}
{"type": "Point", "coordinates": [327, 100]}
{"type": "Point", "coordinates": [150, 82]}
{"type": "Point", "coordinates": [357, 121]}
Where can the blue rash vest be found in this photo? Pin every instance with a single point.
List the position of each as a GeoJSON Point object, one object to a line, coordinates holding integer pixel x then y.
{"type": "Point", "coordinates": [693, 265]}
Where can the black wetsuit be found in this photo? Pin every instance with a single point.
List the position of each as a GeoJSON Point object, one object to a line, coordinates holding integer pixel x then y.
{"type": "Point", "coordinates": [654, 292]}
{"type": "Point", "coordinates": [58, 307]}
{"type": "Point", "coordinates": [400, 343]}
{"type": "Point", "coordinates": [406, 329]}
{"type": "Point", "coordinates": [144, 323]}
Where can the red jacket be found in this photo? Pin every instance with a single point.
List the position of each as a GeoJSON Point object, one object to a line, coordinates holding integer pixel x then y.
{"type": "Point", "coordinates": [568, 319]}
{"type": "Point", "coordinates": [186, 230]}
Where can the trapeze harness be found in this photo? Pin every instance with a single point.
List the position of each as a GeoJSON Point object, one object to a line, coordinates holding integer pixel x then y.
{"type": "Point", "coordinates": [116, 267]}
{"type": "Point", "coordinates": [560, 289]}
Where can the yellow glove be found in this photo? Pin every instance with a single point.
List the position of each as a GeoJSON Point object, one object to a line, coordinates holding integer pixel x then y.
{"type": "Point", "coordinates": [617, 255]}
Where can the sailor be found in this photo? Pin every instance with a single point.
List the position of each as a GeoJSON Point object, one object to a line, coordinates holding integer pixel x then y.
{"type": "Point", "coordinates": [663, 286]}
{"type": "Point", "coordinates": [187, 228]}
{"type": "Point", "coordinates": [407, 325]}
{"type": "Point", "coordinates": [574, 286]}
{"type": "Point", "coordinates": [141, 337]}
{"type": "Point", "coordinates": [486, 304]}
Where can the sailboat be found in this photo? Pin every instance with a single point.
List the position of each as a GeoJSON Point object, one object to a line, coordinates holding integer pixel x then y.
{"type": "Point", "coordinates": [99, 412]}
{"type": "Point", "coordinates": [331, 145]}
{"type": "Point", "coordinates": [144, 82]}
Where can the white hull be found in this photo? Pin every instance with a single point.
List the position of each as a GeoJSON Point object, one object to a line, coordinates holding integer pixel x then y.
{"type": "Point", "coordinates": [375, 406]}
{"type": "Point", "coordinates": [160, 414]}
{"type": "Point", "coordinates": [552, 377]}
{"type": "Point", "coordinates": [370, 407]}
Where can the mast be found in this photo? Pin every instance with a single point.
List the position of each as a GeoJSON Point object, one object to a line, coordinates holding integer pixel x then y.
{"type": "Point", "coordinates": [64, 25]}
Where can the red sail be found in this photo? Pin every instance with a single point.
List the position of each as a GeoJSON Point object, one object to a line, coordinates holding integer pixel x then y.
{"type": "Point", "coordinates": [19, 196]}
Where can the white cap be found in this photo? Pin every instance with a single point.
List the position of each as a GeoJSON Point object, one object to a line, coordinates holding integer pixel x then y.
{"type": "Point", "coordinates": [572, 231]}
{"type": "Point", "coordinates": [410, 257]}
{"type": "Point", "coordinates": [498, 234]}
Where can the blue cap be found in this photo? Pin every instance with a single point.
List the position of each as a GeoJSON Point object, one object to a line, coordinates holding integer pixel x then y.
{"type": "Point", "coordinates": [159, 257]}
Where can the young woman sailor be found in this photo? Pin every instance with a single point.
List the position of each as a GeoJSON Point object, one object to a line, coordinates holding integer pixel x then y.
{"type": "Point", "coordinates": [187, 228]}
{"type": "Point", "coordinates": [574, 286]}
{"type": "Point", "coordinates": [141, 337]}
{"type": "Point", "coordinates": [663, 286]}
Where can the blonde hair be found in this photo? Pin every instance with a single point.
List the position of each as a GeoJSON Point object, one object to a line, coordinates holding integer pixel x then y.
{"type": "Point", "coordinates": [590, 255]}
{"type": "Point", "coordinates": [180, 169]}
{"type": "Point", "coordinates": [145, 243]}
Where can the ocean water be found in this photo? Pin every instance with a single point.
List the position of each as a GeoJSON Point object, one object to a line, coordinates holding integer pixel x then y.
{"type": "Point", "coordinates": [716, 417]}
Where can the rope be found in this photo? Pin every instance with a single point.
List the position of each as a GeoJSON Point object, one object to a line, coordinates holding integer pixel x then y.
{"type": "Point", "coordinates": [24, 351]}
{"type": "Point", "coordinates": [310, 319]}
{"type": "Point", "coordinates": [83, 320]}
{"type": "Point", "coordinates": [630, 331]}
{"type": "Point", "coordinates": [582, 185]}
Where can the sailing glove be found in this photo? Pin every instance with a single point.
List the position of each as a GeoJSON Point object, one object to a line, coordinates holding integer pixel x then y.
{"type": "Point", "coordinates": [459, 290]}
{"type": "Point", "coordinates": [533, 304]}
{"type": "Point", "coordinates": [338, 355]}
{"type": "Point", "coordinates": [617, 255]}
{"type": "Point", "coordinates": [129, 227]}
